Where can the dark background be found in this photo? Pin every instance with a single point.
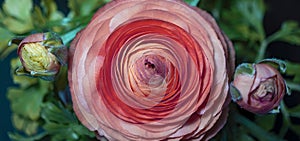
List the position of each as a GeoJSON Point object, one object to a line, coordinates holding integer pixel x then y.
{"type": "Point", "coordinates": [277, 12]}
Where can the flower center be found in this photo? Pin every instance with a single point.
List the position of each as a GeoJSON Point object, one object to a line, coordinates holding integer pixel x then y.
{"type": "Point", "coordinates": [266, 90]}
{"type": "Point", "coordinates": [150, 72]}
{"type": "Point", "coordinates": [36, 57]}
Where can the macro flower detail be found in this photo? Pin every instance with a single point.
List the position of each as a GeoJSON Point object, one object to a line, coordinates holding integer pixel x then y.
{"type": "Point", "coordinates": [258, 88]}
{"type": "Point", "coordinates": [151, 70]}
{"type": "Point", "coordinates": [41, 55]}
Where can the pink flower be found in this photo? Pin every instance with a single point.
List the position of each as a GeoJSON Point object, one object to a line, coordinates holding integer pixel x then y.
{"type": "Point", "coordinates": [151, 70]}
{"type": "Point", "coordinates": [260, 87]}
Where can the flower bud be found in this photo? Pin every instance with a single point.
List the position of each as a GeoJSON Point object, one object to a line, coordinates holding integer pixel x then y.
{"type": "Point", "coordinates": [258, 88]}
{"type": "Point", "coordinates": [41, 55]}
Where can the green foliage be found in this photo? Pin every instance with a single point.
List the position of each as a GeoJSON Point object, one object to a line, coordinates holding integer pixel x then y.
{"type": "Point", "coordinates": [18, 19]}
{"type": "Point", "coordinates": [21, 101]}
{"type": "Point", "coordinates": [5, 36]}
{"type": "Point", "coordinates": [84, 7]}
{"type": "Point", "coordinates": [289, 32]}
{"type": "Point", "coordinates": [266, 121]}
{"type": "Point", "coordinates": [26, 100]}
{"type": "Point", "coordinates": [62, 124]}
{"type": "Point", "coordinates": [192, 2]}
{"type": "Point", "coordinates": [293, 70]}
{"type": "Point", "coordinates": [34, 106]}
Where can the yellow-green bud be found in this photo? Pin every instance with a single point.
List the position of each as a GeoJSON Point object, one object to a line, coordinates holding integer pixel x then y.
{"type": "Point", "coordinates": [42, 55]}
{"type": "Point", "coordinates": [37, 58]}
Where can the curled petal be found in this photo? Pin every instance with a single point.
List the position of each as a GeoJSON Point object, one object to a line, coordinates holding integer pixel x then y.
{"type": "Point", "coordinates": [259, 91]}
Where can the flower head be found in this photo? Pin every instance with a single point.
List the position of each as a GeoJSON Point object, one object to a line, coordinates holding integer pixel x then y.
{"type": "Point", "coordinates": [41, 55]}
{"type": "Point", "coordinates": [258, 88]}
{"type": "Point", "coordinates": [151, 70]}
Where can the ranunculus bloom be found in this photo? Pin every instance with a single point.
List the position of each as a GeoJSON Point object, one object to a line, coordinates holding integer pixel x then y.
{"type": "Point", "coordinates": [259, 87]}
{"type": "Point", "coordinates": [151, 70]}
{"type": "Point", "coordinates": [41, 55]}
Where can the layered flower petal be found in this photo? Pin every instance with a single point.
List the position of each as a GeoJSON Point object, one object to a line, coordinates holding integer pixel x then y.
{"type": "Point", "coordinates": [260, 87]}
{"type": "Point", "coordinates": [151, 70]}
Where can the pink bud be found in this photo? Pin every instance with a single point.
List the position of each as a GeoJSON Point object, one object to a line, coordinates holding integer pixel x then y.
{"type": "Point", "coordinates": [258, 88]}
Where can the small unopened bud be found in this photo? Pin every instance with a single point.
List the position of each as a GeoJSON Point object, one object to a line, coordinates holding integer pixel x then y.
{"type": "Point", "coordinates": [41, 55]}
{"type": "Point", "coordinates": [258, 88]}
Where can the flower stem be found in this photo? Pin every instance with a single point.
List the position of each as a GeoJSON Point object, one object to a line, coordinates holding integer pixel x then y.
{"type": "Point", "coordinates": [262, 51]}
{"type": "Point", "coordinates": [293, 86]}
{"type": "Point", "coordinates": [257, 131]}
{"type": "Point", "coordinates": [264, 44]}
{"type": "Point", "coordinates": [67, 37]}
{"type": "Point", "coordinates": [286, 120]}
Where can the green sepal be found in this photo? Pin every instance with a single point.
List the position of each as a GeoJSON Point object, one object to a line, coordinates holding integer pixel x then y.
{"type": "Point", "coordinates": [235, 93]}
{"type": "Point", "coordinates": [55, 46]}
{"type": "Point", "coordinates": [47, 75]}
{"type": "Point", "coordinates": [275, 110]}
{"type": "Point", "coordinates": [61, 53]}
{"type": "Point", "coordinates": [245, 68]}
{"type": "Point", "coordinates": [51, 39]}
{"type": "Point", "coordinates": [288, 89]}
{"type": "Point", "coordinates": [16, 40]}
{"type": "Point", "coordinates": [277, 63]}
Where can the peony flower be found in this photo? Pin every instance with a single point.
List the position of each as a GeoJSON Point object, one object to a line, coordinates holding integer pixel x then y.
{"type": "Point", "coordinates": [258, 88]}
{"type": "Point", "coordinates": [41, 55]}
{"type": "Point", "coordinates": [151, 70]}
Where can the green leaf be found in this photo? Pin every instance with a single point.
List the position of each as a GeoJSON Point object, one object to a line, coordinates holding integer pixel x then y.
{"type": "Point", "coordinates": [17, 26]}
{"type": "Point", "coordinates": [39, 18]}
{"type": "Point", "coordinates": [296, 129]}
{"type": "Point", "coordinates": [62, 124]}
{"type": "Point", "coordinates": [28, 102]}
{"type": "Point", "coordinates": [61, 132]}
{"type": "Point", "coordinates": [84, 7]}
{"type": "Point", "coordinates": [295, 111]}
{"type": "Point", "coordinates": [192, 2]}
{"type": "Point", "coordinates": [255, 130]}
{"type": "Point", "coordinates": [69, 36]}
{"type": "Point", "coordinates": [293, 70]}
{"type": "Point", "coordinates": [245, 137]}
{"type": "Point", "coordinates": [57, 114]}
{"type": "Point", "coordinates": [1, 15]}
{"type": "Point", "coordinates": [5, 36]}
{"type": "Point", "coordinates": [20, 9]}
{"type": "Point", "coordinates": [253, 11]}
{"type": "Point", "coordinates": [17, 137]}
{"type": "Point", "coordinates": [25, 124]}
{"type": "Point", "coordinates": [50, 8]}
{"type": "Point", "coordinates": [242, 20]}
{"type": "Point", "coordinates": [289, 32]}
{"type": "Point", "coordinates": [266, 121]}
{"type": "Point", "coordinates": [18, 19]}
{"type": "Point", "coordinates": [23, 81]}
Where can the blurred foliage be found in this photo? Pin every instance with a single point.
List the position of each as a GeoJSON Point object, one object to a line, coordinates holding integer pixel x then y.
{"type": "Point", "coordinates": [42, 110]}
